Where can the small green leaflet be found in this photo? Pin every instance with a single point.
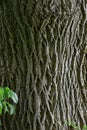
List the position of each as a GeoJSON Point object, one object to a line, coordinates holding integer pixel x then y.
{"type": "Point", "coordinates": [1, 94]}
{"type": "Point", "coordinates": [5, 107]}
{"type": "Point", "coordinates": [12, 109]}
{"type": "Point", "coordinates": [10, 94]}
{"type": "Point", "coordinates": [84, 127]}
{"type": "Point", "coordinates": [13, 96]}
{"type": "Point", "coordinates": [6, 93]}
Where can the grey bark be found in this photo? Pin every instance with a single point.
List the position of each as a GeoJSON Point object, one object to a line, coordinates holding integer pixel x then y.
{"type": "Point", "coordinates": [43, 57]}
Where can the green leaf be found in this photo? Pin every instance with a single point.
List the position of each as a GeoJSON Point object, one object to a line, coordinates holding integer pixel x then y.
{"type": "Point", "coordinates": [7, 89]}
{"type": "Point", "coordinates": [85, 127]}
{"type": "Point", "coordinates": [12, 109]}
{"type": "Point", "coordinates": [1, 107]}
{"type": "Point", "coordinates": [10, 94]}
{"type": "Point", "coordinates": [13, 96]}
{"type": "Point", "coordinates": [1, 94]}
{"type": "Point", "coordinates": [5, 107]}
{"type": "Point", "coordinates": [75, 127]}
{"type": "Point", "coordinates": [6, 92]}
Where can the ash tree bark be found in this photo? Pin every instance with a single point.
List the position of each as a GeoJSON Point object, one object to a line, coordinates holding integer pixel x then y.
{"type": "Point", "coordinates": [43, 57]}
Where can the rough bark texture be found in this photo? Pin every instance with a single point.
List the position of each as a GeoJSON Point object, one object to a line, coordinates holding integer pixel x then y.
{"type": "Point", "coordinates": [43, 57]}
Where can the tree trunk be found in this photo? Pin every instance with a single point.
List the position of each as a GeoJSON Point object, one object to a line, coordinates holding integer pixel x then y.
{"type": "Point", "coordinates": [43, 58]}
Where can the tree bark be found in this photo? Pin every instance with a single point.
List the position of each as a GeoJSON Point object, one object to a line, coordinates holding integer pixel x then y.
{"type": "Point", "coordinates": [43, 58]}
